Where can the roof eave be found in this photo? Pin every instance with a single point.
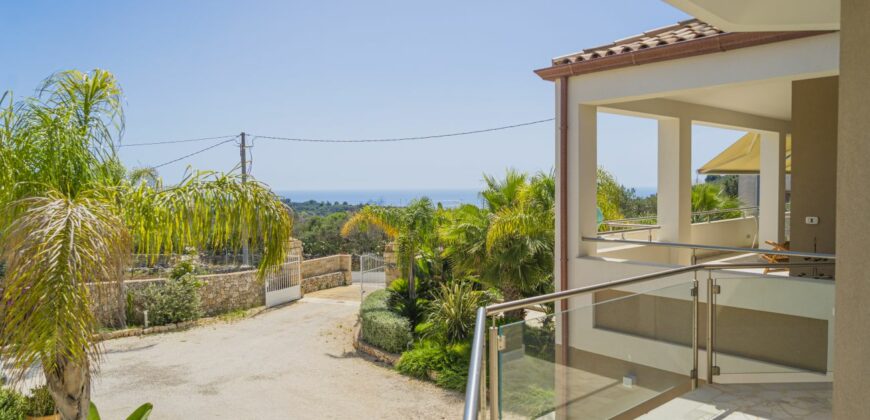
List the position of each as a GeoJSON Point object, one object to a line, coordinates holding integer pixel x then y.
{"type": "Point", "coordinates": [695, 47]}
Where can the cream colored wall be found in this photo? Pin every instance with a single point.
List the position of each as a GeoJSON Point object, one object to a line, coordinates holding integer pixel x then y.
{"type": "Point", "coordinates": [783, 295]}
{"type": "Point", "coordinates": [732, 232]}
{"type": "Point", "coordinates": [814, 163]}
{"type": "Point", "coordinates": [853, 207]}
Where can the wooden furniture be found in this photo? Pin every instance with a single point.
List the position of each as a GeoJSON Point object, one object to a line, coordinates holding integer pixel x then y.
{"type": "Point", "coordinates": [776, 259]}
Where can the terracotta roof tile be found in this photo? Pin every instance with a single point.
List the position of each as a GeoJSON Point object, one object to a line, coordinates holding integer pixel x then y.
{"type": "Point", "coordinates": [680, 32]}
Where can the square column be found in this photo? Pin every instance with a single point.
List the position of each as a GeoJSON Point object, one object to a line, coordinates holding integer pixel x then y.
{"type": "Point", "coordinates": [771, 202]}
{"type": "Point", "coordinates": [675, 185]}
{"type": "Point", "coordinates": [585, 173]}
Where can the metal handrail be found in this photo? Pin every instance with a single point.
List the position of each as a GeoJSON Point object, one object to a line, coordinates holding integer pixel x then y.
{"type": "Point", "coordinates": [475, 372]}
{"type": "Point", "coordinates": [715, 248]}
{"type": "Point", "coordinates": [475, 369]}
{"type": "Point", "coordinates": [697, 213]}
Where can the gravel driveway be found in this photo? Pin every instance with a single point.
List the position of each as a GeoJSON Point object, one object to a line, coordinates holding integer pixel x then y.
{"type": "Point", "coordinates": [296, 361]}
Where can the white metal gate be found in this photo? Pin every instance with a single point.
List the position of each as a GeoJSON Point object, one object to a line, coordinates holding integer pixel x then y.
{"type": "Point", "coordinates": [372, 268]}
{"type": "Point", "coordinates": [285, 284]}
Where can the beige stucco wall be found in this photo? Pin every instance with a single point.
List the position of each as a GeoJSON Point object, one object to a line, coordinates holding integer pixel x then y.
{"type": "Point", "coordinates": [814, 163]}
{"type": "Point", "coordinates": [852, 348]}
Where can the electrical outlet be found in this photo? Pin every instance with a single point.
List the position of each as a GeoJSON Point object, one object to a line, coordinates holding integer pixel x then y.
{"type": "Point", "coordinates": [812, 220]}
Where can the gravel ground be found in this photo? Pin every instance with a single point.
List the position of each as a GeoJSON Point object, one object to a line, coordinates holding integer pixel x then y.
{"type": "Point", "coordinates": [295, 361]}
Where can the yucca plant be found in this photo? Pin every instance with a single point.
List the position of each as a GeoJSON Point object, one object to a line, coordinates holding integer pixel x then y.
{"type": "Point", "coordinates": [453, 310]}
{"type": "Point", "coordinates": [69, 220]}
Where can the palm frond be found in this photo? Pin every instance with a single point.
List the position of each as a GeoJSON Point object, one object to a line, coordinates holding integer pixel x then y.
{"type": "Point", "coordinates": [59, 252]}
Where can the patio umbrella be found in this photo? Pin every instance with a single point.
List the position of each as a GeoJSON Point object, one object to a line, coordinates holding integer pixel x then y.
{"type": "Point", "coordinates": [743, 157]}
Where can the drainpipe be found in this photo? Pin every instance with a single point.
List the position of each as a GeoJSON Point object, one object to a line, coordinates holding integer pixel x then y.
{"type": "Point", "coordinates": [562, 357]}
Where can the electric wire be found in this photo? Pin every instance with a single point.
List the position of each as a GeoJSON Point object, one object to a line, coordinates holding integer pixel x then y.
{"type": "Point", "coordinates": [193, 154]}
{"type": "Point", "coordinates": [398, 139]}
{"type": "Point", "coordinates": [313, 140]}
{"type": "Point", "coordinates": [154, 143]}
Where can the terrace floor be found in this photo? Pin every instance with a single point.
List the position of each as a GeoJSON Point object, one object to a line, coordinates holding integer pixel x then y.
{"type": "Point", "coordinates": [749, 401]}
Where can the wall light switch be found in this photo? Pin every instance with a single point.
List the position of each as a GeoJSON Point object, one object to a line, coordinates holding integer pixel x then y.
{"type": "Point", "coordinates": [812, 220]}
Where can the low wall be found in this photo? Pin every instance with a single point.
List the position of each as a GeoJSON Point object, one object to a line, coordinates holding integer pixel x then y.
{"type": "Point", "coordinates": [738, 233]}
{"type": "Point", "coordinates": [225, 292]}
{"type": "Point", "coordinates": [758, 318]}
{"type": "Point", "coordinates": [325, 281]}
{"type": "Point", "coordinates": [327, 265]}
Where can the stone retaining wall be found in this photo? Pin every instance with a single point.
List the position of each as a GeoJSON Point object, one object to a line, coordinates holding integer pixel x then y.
{"type": "Point", "coordinates": [326, 281]}
{"type": "Point", "coordinates": [226, 292]}
{"type": "Point", "coordinates": [327, 265]}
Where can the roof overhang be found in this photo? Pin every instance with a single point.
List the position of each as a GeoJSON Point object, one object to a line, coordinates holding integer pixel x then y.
{"type": "Point", "coordinates": [700, 46]}
{"type": "Point", "coordinates": [764, 15]}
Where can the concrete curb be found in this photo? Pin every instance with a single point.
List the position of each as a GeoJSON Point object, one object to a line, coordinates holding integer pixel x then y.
{"type": "Point", "coordinates": [370, 350]}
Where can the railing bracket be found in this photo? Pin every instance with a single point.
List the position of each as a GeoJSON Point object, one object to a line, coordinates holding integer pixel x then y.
{"type": "Point", "coordinates": [502, 343]}
{"type": "Point", "coordinates": [717, 289]}
{"type": "Point", "coordinates": [716, 371]}
{"type": "Point", "coordinates": [693, 374]}
{"type": "Point", "coordinates": [693, 291]}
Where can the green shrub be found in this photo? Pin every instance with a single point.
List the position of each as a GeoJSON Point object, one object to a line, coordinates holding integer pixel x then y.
{"type": "Point", "coordinates": [422, 359]}
{"type": "Point", "coordinates": [176, 300]}
{"type": "Point", "coordinates": [449, 363]}
{"type": "Point", "coordinates": [454, 310]}
{"type": "Point", "coordinates": [13, 405]}
{"type": "Point", "coordinates": [40, 403]}
{"type": "Point", "coordinates": [400, 302]}
{"type": "Point", "coordinates": [381, 327]}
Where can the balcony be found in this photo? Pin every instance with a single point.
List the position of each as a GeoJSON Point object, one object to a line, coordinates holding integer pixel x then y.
{"type": "Point", "coordinates": [699, 341]}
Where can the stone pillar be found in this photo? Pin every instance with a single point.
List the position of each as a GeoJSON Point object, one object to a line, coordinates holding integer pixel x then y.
{"type": "Point", "coordinates": [675, 185]}
{"type": "Point", "coordinates": [771, 206]}
{"type": "Point", "coordinates": [391, 269]}
{"type": "Point", "coordinates": [852, 340]}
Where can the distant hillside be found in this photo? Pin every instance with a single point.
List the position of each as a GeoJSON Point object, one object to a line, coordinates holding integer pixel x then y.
{"type": "Point", "coordinates": [320, 208]}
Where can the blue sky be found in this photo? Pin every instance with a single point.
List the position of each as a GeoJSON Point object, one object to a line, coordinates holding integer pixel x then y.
{"type": "Point", "coordinates": [340, 69]}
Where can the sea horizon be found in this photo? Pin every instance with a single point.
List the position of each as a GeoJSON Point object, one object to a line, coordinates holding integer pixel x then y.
{"type": "Point", "coordinates": [448, 197]}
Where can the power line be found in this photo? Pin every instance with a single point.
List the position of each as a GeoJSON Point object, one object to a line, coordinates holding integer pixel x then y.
{"type": "Point", "coordinates": [194, 153]}
{"type": "Point", "coordinates": [175, 141]}
{"type": "Point", "coordinates": [435, 136]}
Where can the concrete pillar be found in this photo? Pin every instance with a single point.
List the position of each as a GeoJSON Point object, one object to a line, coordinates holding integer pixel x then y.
{"type": "Point", "coordinates": [852, 340]}
{"type": "Point", "coordinates": [675, 185]}
{"type": "Point", "coordinates": [771, 206]}
{"type": "Point", "coordinates": [587, 179]}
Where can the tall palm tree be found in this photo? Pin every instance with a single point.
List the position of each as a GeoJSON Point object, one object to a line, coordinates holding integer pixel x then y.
{"type": "Point", "coordinates": [411, 227]}
{"type": "Point", "coordinates": [69, 221]}
{"type": "Point", "coordinates": [509, 243]}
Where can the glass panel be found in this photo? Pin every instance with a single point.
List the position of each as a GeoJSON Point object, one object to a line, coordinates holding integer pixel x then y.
{"type": "Point", "coordinates": [774, 325]}
{"type": "Point", "coordinates": [625, 349]}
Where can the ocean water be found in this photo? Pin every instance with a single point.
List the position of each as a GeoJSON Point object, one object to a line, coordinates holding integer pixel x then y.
{"type": "Point", "coordinates": [448, 198]}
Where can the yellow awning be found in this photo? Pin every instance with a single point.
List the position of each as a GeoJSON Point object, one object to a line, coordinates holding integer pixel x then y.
{"type": "Point", "coordinates": [743, 157]}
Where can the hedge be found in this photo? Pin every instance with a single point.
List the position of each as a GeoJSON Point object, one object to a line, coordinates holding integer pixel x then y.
{"type": "Point", "coordinates": [382, 327]}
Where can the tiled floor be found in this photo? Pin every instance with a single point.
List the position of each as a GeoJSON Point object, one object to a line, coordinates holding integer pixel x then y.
{"type": "Point", "coordinates": [750, 401]}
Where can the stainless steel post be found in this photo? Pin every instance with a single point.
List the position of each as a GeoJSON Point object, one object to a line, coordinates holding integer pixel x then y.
{"type": "Point", "coordinates": [695, 307]}
{"type": "Point", "coordinates": [710, 327]}
{"type": "Point", "coordinates": [494, 408]}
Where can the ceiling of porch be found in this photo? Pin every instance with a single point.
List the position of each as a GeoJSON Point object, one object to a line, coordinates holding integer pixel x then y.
{"type": "Point", "coordinates": [770, 99]}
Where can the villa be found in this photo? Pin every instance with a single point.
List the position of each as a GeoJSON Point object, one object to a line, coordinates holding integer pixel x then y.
{"type": "Point", "coordinates": [691, 318]}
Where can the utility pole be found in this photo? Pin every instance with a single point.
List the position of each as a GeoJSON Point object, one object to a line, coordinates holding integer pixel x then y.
{"type": "Point", "coordinates": [243, 154]}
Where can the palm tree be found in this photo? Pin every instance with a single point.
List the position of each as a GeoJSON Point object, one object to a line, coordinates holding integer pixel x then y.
{"type": "Point", "coordinates": [70, 220]}
{"type": "Point", "coordinates": [708, 197]}
{"type": "Point", "coordinates": [411, 227]}
{"type": "Point", "coordinates": [509, 243]}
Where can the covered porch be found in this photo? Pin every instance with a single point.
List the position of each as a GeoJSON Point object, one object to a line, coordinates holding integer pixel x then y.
{"type": "Point", "coordinates": [748, 326]}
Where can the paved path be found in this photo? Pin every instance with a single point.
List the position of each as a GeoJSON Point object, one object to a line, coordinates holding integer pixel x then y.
{"type": "Point", "coordinates": [296, 361]}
